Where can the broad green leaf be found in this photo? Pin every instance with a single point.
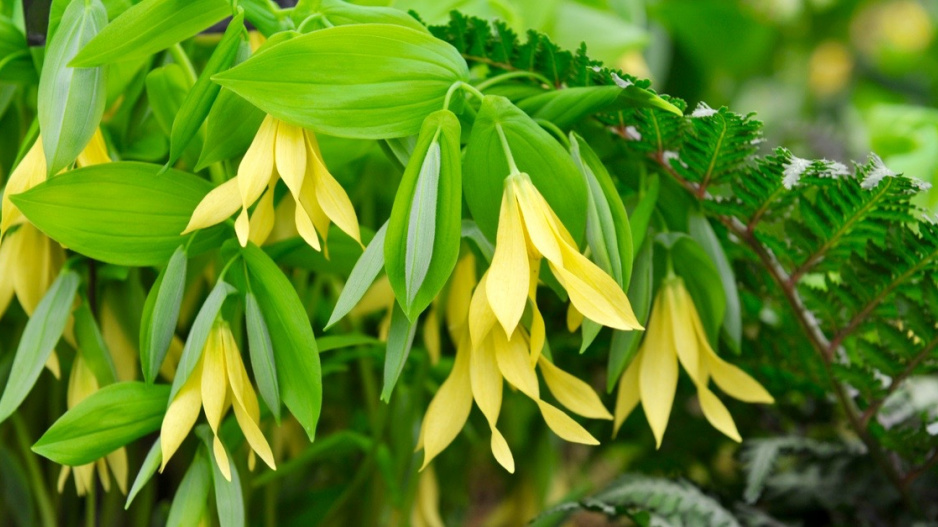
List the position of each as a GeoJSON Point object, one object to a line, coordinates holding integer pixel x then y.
{"type": "Point", "coordinates": [16, 494]}
{"type": "Point", "coordinates": [229, 498]}
{"type": "Point", "coordinates": [262, 355]}
{"type": "Point", "coordinates": [57, 9]}
{"type": "Point", "coordinates": [71, 100]}
{"type": "Point", "coordinates": [103, 422]}
{"type": "Point", "coordinates": [400, 340]}
{"type": "Point", "coordinates": [264, 15]}
{"type": "Point", "coordinates": [231, 125]}
{"type": "Point", "coordinates": [364, 273]}
{"type": "Point", "coordinates": [472, 231]}
{"type": "Point", "coordinates": [151, 26]}
{"type": "Point", "coordinates": [396, 77]}
{"type": "Point", "coordinates": [16, 63]}
{"type": "Point", "coordinates": [324, 13]}
{"type": "Point", "coordinates": [645, 202]}
{"type": "Point", "coordinates": [195, 107]}
{"type": "Point", "coordinates": [92, 346]}
{"type": "Point", "coordinates": [607, 225]}
{"type": "Point", "coordinates": [298, 371]}
{"type": "Point", "coordinates": [701, 277]}
{"type": "Point", "coordinates": [160, 314]}
{"type": "Point", "coordinates": [423, 234]}
{"type": "Point", "coordinates": [150, 464]}
{"type": "Point", "coordinates": [198, 334]}
{"type": "Point", "coordinates": [536, 153]}
{"type": "Point", "coordinates": [624, 344]}
{"type": "Point", "coordinates": [191, 499]}
{"type": "Point", "coordinates": [120, 213]}
{"type": "Point", "coordinates": [39, 338]}
{"type": "Point", "coordinates": [701, 231]}
{"type": "Point", "coordinates": [166, 90]}
{"type": "Point", "coordinates": [567, 106]}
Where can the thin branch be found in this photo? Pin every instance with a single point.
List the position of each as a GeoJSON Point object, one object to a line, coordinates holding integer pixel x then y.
{"type": "Point", "coordinates": [898, 380]}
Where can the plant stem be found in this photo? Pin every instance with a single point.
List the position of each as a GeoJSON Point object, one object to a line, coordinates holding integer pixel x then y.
{"type": "Point", "coordinates": [38, 483]}
{"type": "Point", "coordinates": [180, 57]}
{"type": "Point", "coordinates": [492, 81]}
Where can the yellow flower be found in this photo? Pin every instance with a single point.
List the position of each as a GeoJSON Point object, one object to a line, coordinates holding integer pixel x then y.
{"type": "Point", "coordinates": [279, 151]}
{"type": "Point", "coordinates": [219, 379]}
{"type": "Point", "coordinates": [426, 511]}
{"type": "Point", "coordinates": [675, 334]}
{"type": "Point", "coordinates": [528, 230]}
{"type": "Point", "coordinates": [485, 356]}
{"type": "Point", "coordinates": [81, 384]}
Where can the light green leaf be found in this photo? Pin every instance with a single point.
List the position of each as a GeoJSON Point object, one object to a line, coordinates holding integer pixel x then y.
{"type": "Point", "coordinates": [38, 341]}
{"type": "Point", "coordinates": [92, 346]}
{"type": "Point", "coordinates": [263, 15]}
{"type": "Point", "coordinates": [229, 498]}
{"type": "Point", "coordinates": [151, 26]}
{"type": "Point", "coordinates": [701, 277]}
{"type": "Point", "coordinates": [396, 77]}
{"type": "Point", "coordinates": [535, 152]}
{"type": "Point", "coordinates": [702, 232]}
{"type": "Point", "coordinates": [298, 371]}
{"type": "Point", "coordinates": [198, 102]}
{"type": "Point", "coordinates": [567, 106]}
{"type": "Point", "coordinates": [341, 13]}
{"type": "Point", "coordinates": [160, 314]}
{"type": "Point", "coordinates": [191, 499]}
{"type": "Point", "coordinates": [198, 334]}
{"type": "Point", "coordinates": [16, 63]}
{"type": "Point", "coordinates": [71, 101]}
{"type": "Point", "coordinates": [424, 229]}
{"type": "Point", "coordinates": [364, 273]}
{"type": "Point", "coordinates": [624, 344]}
{"type": "Point", "coordinates": [231, 125]}
{"type": "Point", "coordinates": [120, 213]}
{"type": "Point", "coordinates": [262, 355]}
{"type": "Point", "coordinates": [150, 464]}
{"type": "Point", "coordinates": [400, 340]}
{"type": "Point", "coordinates": [644, 206]}
{"type": "Point", "coordinates": [103, 422]}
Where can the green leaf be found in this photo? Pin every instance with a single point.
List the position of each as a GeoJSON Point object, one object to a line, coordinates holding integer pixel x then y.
{"type": "Point", "coordinates": [71, 101]}
{"type": "Point", "coordinates": [262, 355]}
{"type": "Point", "coordinates": [364, 273]}
{"type": "Point", "coordinates": [92, 346]}
{"type": "Point", "coordinates": [120, 213]}
{"type": "Point", "coordinates": [298, 371]}
{"type": "Point", "coordinates": [16, 63]}
{"type": "Point", "coordinates": [701, 231]}
{"type": "Point", "coordinates": [160, 314]}
{"type": "Point", "coordinates": [195, 107]}
{"type": "Point", "coordinates": [39, 338]}
{"type": "Point", "coordinates": [569, 105]}
{"type": "Point", "coordinates": [341, 13]}
{"type": "Point", "coordinates": [229, 498]}
{"type": "Point", "coordinates": [400, 340]}
{"type": "Point", "coordinates": [166, 89]}
{"type": "Point", "coordinates": [641, 212]}
{"type": "Point", "coordinates": [607, 225]}
{"type": "Point", "coordinates": [151, 26]}
{"type": "Point", "coordinates": [624, 344]}
{"type": "Point", "coordinates": [263, 15]}
{"type": "Point", "coordinates": [198, 334]}
{"type": "Point", "coordinates": [231, 125]}
{"type": "Point", "coordinates": [396, 78]}
{"type": "Point", "coordinates": [535, 152]}
{"type": "Point", "coordinates": [423, 237]}
{"type": "Point", "coordinates": [702, 279]}
{"type": "Point", "coordinates": [147, 469]}
{"type": "Point", "coordinates": [103, 422]}
{"type": "Point", "coordinates": [191, 497]}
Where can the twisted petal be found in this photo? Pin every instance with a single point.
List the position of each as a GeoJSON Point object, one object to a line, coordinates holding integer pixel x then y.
{"type": "Point", "coordinates": [215, 391]}
{"type": "Point", "coordinates": [181, 415]}
{"type": "Point", "coordinates": [680, 309]}
{"type": "Point", "coordinates": [117, 460]}
{"type": "Point", "coordinates": [216, 207]}
{"type": "Point", "coordinates": [510, 272]}
{"type": "Point", "coordinates": [244, 401]}
{"type": "Point", "coordinates": [331, 196]}
{"type": "Point", "coordinates": [8, 252]}
{"type": "Point", "coordinates": [40, 260]}
{"type": "Point", "coordinates": [593, 292]}
{"type": "Point", "coordinates": [572, 392]}
{"type": "Point", "coordinates": [486, 383]}
{"type": "Point", "coordinates": [514, 364]}
{"type": "Point", "coordinates": [257, 166]}
{"type": "Point", "coordinates": [658, 371]}
{"type": "Point", "coordinates": [262, 219]}
{"type": "Point", "coordinates": [431, 334]}
{"type": "Point", "coordinates": [481, 317]}
{"type": "Point", "coordinates": [459, 296]}
{"type": "Point", "coordinates": [449, 409]}
{"type": "Point", "coordinates": [290, 152]}
{"type": "Point", "coordinates": [537, 218]}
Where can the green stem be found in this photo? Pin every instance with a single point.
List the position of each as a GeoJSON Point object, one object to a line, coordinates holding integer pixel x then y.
{"type": "Point", "coordinates": [492, 81]}
{"type": "Point", "coordinates": [91, 505]}
{"type": "Point", "coordinates": [40, 491]}
{"type": "Point", "coordinates": [554, 130]}
{"type": "Point", "coordinates": [180, 57]}
{"type": "Point", "coordinates": [512, 167]}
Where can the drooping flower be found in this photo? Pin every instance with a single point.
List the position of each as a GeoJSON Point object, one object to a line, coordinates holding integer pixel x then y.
{"type": "Point", "coordinates": [81, 384]}
{"type": "Point", "coordinates": [426, 511]}
{"type": "Point", "coordinates": [676, 334]}
{"type": "Point", "coordinates": [219, 379]}
{"type": "Point", "coordinates": [528, 230]}
{"type": "Point", "coordinates": [485, 357]}
{"type": "Point", "coordinates": [279, 151]}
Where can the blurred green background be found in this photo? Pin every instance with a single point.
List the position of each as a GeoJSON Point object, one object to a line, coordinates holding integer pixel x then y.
{"type": "Point", "coordinates": [831, 79]}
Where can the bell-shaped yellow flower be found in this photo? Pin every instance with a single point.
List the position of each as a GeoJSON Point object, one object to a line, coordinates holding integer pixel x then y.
{"type": "Point", "coordinates": [485, 357]}
{"type": "Point", "coordinates": [219, 379]}
{"type": "Point", "coordinates": [288, 152]}
{"type": "Point", "coordinates": [675, 334]}
{"type": "Point", "coordinates": [81, 384]}
{"type": "Point", "coordinates": [528, 230]}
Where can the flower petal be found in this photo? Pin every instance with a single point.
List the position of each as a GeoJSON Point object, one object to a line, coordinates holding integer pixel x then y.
{"type": "Point", "coordinates": [257, 165]}
{"type": "Point", "coordinates": [486, 383]}
{"type": "Point", "coordinates": [262, 219]}
{"type": "Point", "coordinates": [244, 401]}
{"type": "Point", "coordinates": [30, 172]}
{"type": "Point", "coordinates": [95, 153]}
{"type": "Point", "coordinates": [572, 392]}
{"type": "Point", "coordinates": [593, 292]}
{"type": "Point", "coordinates": [215, 391]}
{"type": "Point", "coordinates": [117, 460]}
{"type": "Point", "coordinates": [514, 364]}
{"type": "Point", "coordinates": [181, 415]}
{"type": "Point", "coordinates": [716, 413]}
{"type": "Point", "coordinates": [39, 261]}
{"type": "Point", "coordinates": [680, 310]}
{"type": "Point", "coordinates": [481, 317]}
{"type": "Point", "coordinates": [459, 296]}
{"type": "Point", "coordinates": [290, 154]}
{"type": "Point", "coordinates": [510, 272]}
{"type": "Point", "coordinates": [628, 395]}
{"type": "Point", "coordinates": [564, 426]}
{"type": "Point", "coordinates": [449, 409]}
{"type": "Point", "coordinates": [216, 207]}
{"type": "Point", "coordinates": [332, 198]}
{"type": "Point", "coordinates": [658, 371]}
